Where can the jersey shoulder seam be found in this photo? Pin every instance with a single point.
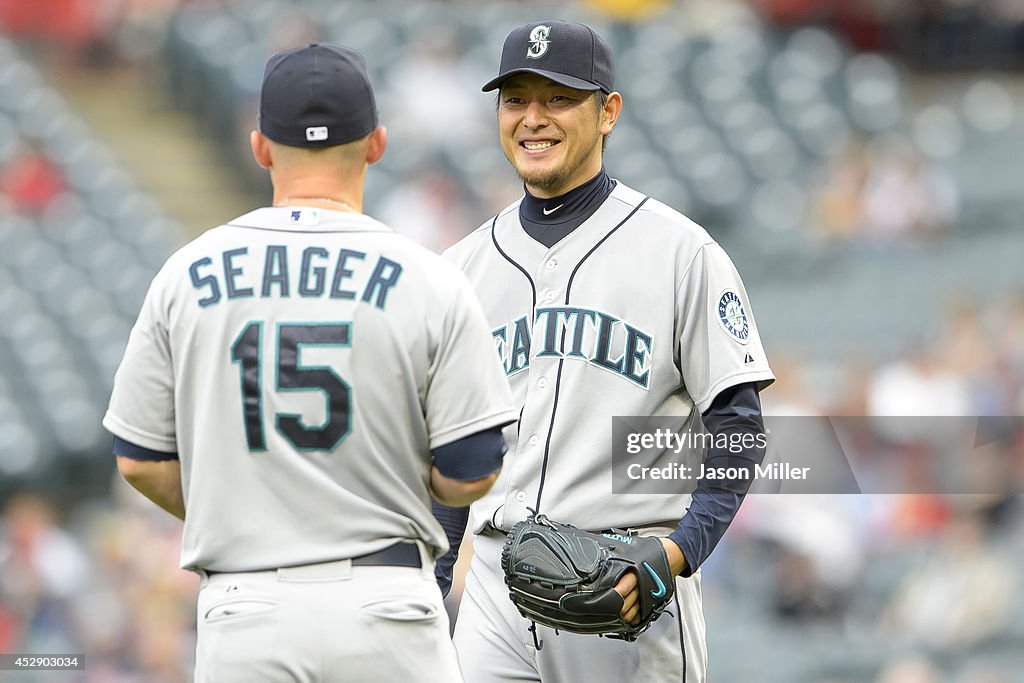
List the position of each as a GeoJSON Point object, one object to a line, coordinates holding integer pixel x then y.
{"type": "Point", "coordinates": [501, 214]}
{"type": "Point", "coordinates": [693, 259]}
{"type": "Point", "coordinates": [625, 202]}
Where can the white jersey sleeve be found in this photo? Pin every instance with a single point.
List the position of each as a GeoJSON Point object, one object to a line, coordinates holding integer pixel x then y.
{"type": "Point", "coordinates": [454, 407]}
{"type": "Point", "coordinates": [719, 346]}
{"type": "Point", "coordinates": [144, 384]}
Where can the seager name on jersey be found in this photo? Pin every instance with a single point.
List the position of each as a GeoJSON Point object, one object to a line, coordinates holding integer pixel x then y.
{"type": "Point", "coordinates": [589, 336]}
{"type": "Point", "coordinates": [321, 273]}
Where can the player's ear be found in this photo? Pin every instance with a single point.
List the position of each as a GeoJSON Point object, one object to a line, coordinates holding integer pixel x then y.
{"type": "Point", "coordinates": [377, 144]}
{"type": "Point", "coordinates": [260, 148]}
{"type": "Point", "coordinates": [610, 113]}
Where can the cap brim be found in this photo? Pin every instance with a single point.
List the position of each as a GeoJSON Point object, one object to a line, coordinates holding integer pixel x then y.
{"type": "Point", "coordinates": [561, 79]}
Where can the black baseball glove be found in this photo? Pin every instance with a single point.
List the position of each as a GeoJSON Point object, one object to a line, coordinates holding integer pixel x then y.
{"type": "Point", "coordinates": [564, 577]}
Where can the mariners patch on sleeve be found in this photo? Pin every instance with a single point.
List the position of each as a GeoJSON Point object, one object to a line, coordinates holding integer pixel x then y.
{"type": "Point", "coordinates": [733, 317]}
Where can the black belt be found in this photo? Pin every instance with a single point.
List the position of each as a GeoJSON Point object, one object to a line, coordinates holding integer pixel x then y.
{"type": "Point", "coordinates": [491, 530]}
{"type": "Point", "coordinates": [401, 554]}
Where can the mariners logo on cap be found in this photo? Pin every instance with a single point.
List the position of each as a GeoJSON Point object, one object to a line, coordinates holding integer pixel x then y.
{"type": "Point", "coordinates": [538, 42]}
{"type": "Point", "coordinates": [732, 317]}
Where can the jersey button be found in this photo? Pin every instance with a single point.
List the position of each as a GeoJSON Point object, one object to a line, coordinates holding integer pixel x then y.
{"type": "Point", "coordinates": [521, 496]}
{"type": "Point", "coordinates": [549, 295]}
{"type": "Point", "coordinates": [550, 265]}
{"type": "Point", "coordinates": [534, 440]}
{"type": "Point", "coordinates": [542, 382]}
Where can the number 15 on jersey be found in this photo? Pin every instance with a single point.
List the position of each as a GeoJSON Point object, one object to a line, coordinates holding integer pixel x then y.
{"type": "Point", "coordinates": [291, 375]}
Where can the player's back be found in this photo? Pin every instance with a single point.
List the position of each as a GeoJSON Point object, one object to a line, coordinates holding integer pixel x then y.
{"type": "Point", "coordinates": [302, 345]}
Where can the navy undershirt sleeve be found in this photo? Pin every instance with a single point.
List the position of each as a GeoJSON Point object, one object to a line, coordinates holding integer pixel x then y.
{"type": "Point", "coordinates": [736, 410]}
{"type": "Point", "coordinates": [471, 457]}
{"type": "Point", "coordinates": [127, 449]}
{"type": "Point", "coordinates": [453, 521]}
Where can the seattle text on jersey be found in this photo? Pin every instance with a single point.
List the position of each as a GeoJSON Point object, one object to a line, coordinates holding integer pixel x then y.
{"type": "Point", "coordinates": [575, 333]}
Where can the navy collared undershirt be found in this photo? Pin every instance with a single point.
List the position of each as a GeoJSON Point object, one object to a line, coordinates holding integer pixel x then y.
{"type": "Point", "coordinates": [549, 220]}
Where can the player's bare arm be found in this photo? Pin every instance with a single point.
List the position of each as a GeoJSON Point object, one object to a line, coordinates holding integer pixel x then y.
{"type": "Point", "coordinates": [464, 470]}
{"type": "Point", "coordinates": [676, 558]}
{"type": "Point", "coordinates": [160, 481]}
{"type": "Point", "coordinates": [455, 493]}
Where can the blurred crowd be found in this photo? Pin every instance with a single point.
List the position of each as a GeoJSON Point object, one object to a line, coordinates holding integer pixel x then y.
{"type": "Point", "coordinates": [969, 363]}
{"type": "Point", "coordinates": [881, 193]}
{"type": "Point", "coordinates": [101, 580]}
{"type": "Point", "coordinates": [29, 183]}
{"type": "Point", "coordinates": [931, 33]}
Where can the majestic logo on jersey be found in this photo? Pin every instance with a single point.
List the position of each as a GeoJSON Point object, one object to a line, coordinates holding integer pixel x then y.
{"type": "Point", "coordinates": [538, 42]}
{"type": "Point", "coordinates": [304, 217]}
{"type": "Point", "coordinates": [573, 333]}
{"type": "Point", "coordinates": [732, 317]}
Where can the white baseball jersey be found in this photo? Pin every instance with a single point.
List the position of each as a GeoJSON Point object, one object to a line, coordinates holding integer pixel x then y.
{"type": "Point", "coordinates": [303, 363]}
{"type": "Point", "coordinates": [637, 312]}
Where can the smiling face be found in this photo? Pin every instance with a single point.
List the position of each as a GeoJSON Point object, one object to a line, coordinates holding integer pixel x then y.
{"type": "Point", "coordinates": [551, 133]}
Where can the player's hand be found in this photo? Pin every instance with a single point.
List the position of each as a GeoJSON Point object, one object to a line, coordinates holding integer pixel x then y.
{"type": "Point", "coordinates": [627, 588]}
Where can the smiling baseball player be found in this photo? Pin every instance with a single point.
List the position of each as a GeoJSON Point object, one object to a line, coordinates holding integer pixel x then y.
{"type": "Point", "coordinates": [602, 302]}
{"type": "Point", "coordinates": [298, 384]}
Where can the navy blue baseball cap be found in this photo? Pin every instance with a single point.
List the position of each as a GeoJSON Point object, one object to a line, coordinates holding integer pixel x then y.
{"type": "Point", "coordinates": [569, 54]}
{"type": "Point", "coordinates": [318, 95]}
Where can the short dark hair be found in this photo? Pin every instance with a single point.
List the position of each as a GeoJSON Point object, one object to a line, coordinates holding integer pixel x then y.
{"type": "Point", "coordinates": [602, 99]}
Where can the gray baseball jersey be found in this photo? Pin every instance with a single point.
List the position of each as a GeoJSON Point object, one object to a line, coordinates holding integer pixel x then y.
{"type": "Point", "coordinates": [636, 312]}
{"type": "Point", "coordinates": [303, 363]}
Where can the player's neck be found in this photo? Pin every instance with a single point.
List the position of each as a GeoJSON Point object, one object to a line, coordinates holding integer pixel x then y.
{"type": "Point", "coordinates": [582, 175]}
{"type": "Point", "coordinates": [581, 199]}
{"type": "Point", "coordinates": [321, 193]}
{"type": "Point", "coordinates": [329, 203]}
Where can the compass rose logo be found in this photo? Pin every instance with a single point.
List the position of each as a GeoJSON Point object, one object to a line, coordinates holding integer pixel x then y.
{"type": "Point", "coordinates": [732, 316]}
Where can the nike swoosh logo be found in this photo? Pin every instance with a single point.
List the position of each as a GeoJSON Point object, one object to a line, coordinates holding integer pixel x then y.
{"type": "Point", "coordinates": [548, 213]}
{"type": "Point", "coordinates": [660, 593]}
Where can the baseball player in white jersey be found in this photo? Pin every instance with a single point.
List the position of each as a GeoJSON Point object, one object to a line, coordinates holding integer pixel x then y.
{"type": "Point", "coordinates": [297, 385]}
{"type": "Point", "coordinates": [602, 302]}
